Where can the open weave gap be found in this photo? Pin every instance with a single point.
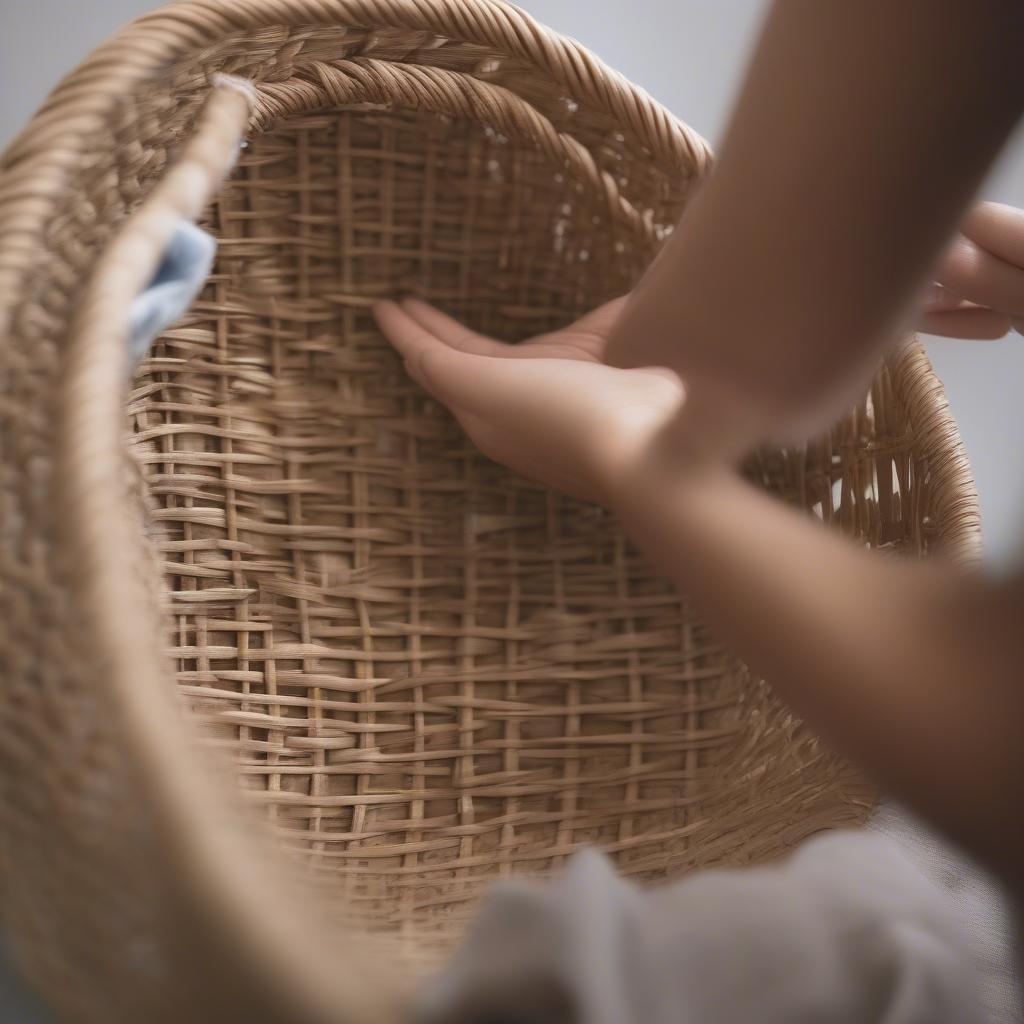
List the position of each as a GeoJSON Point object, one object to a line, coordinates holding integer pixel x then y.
{"type": "Point", "coordinates": [431, 672]}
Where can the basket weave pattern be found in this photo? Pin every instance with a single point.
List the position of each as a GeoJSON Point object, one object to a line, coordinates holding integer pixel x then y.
{"type": "Point", "coordinates": [427, 671]}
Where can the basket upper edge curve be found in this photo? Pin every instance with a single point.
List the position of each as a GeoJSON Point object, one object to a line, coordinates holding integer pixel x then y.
{"type": "Point", "coordinates": [36, 165]}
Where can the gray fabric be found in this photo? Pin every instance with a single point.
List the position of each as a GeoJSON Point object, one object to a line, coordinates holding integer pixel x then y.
{"type": "Point", "coordinates": [980, 903]}
{"type": "Point", "coordinates": [846, 930]}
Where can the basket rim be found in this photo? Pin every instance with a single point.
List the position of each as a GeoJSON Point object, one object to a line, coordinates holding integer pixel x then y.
{"type": "Point", "coordinates": [213, 879]}
{"type": "Point", "coordinates": [36, 166]}
{"type": "Point", "coordinates": [40, 163]}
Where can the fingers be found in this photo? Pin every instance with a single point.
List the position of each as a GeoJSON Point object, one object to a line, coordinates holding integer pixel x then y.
{"type": "Point", "coordinates": [408, 336]}
{"type": "Point", "coordinates": [973, 273]}
{"type": "Point", "coordinates": [997, 228]}
{"type": "Point", "coordinates": [972, 322]}
{"type": "Point", "coordinates": [939, 299]}
{"type": "Point", "coordinates": [450, 331]}
{"type": "Point", "coordinates": [467, 382]}
{"type": "Point", "coordinates": [585, 337]}
{"type": "Point", "coordinates": [492, 389]}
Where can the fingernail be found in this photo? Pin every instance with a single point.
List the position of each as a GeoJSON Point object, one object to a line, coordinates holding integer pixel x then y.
{"type": "Point", "coordinates": [939, 298]}
{"type": "Point", "coordinates": [935, 295]}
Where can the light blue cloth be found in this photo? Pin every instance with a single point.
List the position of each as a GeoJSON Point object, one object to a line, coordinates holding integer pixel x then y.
{"type": "Point", "coordinates": [182, 272]}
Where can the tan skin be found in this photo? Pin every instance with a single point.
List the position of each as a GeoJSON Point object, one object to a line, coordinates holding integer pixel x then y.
{"type": "Point", "coordinates": [859, 137]}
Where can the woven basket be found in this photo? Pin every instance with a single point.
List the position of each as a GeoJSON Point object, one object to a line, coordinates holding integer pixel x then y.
{"type": "Point", "coordinates": [426, 672]}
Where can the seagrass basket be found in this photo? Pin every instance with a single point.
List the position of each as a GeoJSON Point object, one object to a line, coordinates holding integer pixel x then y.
{"type": "Point", "coordinates": [425, 673]}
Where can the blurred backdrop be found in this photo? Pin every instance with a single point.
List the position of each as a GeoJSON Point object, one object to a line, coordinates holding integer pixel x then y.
{"type": "Point", "coordinates": [689, 54]}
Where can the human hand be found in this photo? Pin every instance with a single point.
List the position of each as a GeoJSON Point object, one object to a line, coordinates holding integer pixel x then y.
{"type": "Point", "coordinates": [979, 287]}
{"type": "Point", "coordinates": [549, 408]}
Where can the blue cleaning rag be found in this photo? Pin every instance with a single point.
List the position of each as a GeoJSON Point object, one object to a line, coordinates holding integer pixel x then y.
{"type": "Point", "coordinates": [182, 272]}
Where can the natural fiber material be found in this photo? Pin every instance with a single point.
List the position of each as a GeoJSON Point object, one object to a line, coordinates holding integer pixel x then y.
{"type": "Point", "coordinates": [427, 672]}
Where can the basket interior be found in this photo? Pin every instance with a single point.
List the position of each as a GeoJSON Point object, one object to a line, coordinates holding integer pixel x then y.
{"type": "Point", "coordinates": [431, 672]}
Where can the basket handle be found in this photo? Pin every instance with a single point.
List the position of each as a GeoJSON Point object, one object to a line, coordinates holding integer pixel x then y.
{"type": "Point", "coordinates": [271, 955]}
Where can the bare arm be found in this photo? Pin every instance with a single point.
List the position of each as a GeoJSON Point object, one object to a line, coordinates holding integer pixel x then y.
{"type": "Point", "coordinates": [861, 132]}
{"type": "Point", "coordinates": [913, 671]}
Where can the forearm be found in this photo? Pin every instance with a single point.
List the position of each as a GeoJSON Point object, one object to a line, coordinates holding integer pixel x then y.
{"type": "Point", "coordinates": [906, 668]}
{"type": "Point", "coordinates": [861, 131]}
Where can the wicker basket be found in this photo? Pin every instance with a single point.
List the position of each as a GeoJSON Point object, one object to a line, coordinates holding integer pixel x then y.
{"type": "Point", "coordinates": [427, 672]}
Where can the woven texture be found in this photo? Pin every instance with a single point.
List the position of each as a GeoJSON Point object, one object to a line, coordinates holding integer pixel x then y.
{"type": "Point", "coordinates": [426, 672]}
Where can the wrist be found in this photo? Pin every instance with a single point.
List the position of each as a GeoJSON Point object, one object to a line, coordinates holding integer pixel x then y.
{"type": "Point", "coordinates": [706, 439]}
{"type": "Point", "coordinates": [665, 467]}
